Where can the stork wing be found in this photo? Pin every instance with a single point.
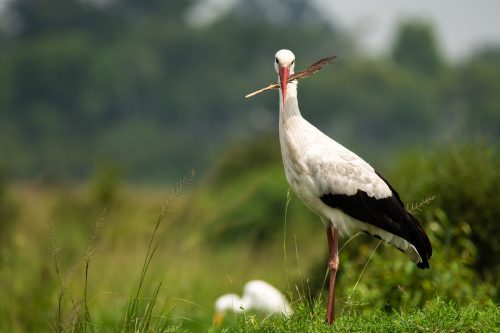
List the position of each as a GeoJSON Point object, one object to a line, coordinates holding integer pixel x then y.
{"type": "Point", "coordinates": [337, 170]}
{"type": "Point", "coordinates": [351, 185]}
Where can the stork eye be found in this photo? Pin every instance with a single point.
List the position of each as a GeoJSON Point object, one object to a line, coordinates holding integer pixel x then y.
{"type": "Point", "coordinates": [276, 59]}
{"type": "Point", "coordinates": [293, 61]}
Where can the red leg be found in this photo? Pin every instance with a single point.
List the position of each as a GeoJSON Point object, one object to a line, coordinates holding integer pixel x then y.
{"type": "Point", "coordinates": [333, 264]}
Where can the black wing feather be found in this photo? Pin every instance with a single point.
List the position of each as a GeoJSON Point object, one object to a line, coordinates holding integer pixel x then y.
{"type": "Point", "coordinates": [388, 214]}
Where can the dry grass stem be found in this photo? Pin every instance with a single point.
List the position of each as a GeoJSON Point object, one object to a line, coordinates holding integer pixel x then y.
{"type": "Point", "coordinates": [417, 208]}
{"type": "Point", "coordinates": [314, 68]}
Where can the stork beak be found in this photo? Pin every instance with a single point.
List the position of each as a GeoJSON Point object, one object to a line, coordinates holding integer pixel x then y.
{"type": "Point", "coordinates": [218, 318]}
{"type": "Point", "coordinates": [284, 73]}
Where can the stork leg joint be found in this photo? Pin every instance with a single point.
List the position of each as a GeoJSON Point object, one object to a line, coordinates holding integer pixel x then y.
{"type": "Point", "coordinates": [333, 264]}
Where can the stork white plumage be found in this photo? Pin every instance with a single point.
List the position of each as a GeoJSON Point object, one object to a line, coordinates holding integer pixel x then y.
{"type": "Point", "coordinates": [339, 186]}
{"type": "Point", "coordinates": [257, 295]}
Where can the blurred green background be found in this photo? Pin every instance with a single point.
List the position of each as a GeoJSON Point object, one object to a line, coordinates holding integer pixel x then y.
{"type": "Point", "coordinates": [106, 105]}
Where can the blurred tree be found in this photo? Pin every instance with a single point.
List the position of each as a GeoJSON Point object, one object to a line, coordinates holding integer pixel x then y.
{"type": "Point", "coordinates": [83, 82]}
{"type": "Point", "coordinates": [280, 12]}
{"type": "Point", "coordinates": [168, 10]}
{"type": "Point", "coordinates": [105, 185]}
{"type": "Point", "coordinates": [247, 185]}
{"type": "Point", "coordinates": [37, 18]}
{"type": "Point", "coordinates": [477, 95]}
{"type": "Point", "coordinates": [416, 48]}
{"type": "Point", "coordinates": [465, 181]}
{"type": "Point", "coordinates": [87, 82]}
{"type": "Point", "coordinates": [8, 214]}
{"type": "Point", "coordinates": [489, 55]}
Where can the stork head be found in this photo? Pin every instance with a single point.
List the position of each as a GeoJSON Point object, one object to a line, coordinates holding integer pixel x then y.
{"type": "Point", "coordinates": [284, 64]}
{"type": "Point", "coordinates": [226, 303]}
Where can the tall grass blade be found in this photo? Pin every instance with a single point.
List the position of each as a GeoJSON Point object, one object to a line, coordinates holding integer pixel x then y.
{"type": "Point", "coordinates": [56, 262]}
{"type": "Point", "coordinates": [132, 311]}
{"type": "Point", "coordinates": [88, 320]}
{"type": "Point", "coordinates": [366, 265]}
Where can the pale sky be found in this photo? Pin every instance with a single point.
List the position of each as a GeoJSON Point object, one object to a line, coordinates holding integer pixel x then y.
{"type": "Point", "coordinates": [461, 25]}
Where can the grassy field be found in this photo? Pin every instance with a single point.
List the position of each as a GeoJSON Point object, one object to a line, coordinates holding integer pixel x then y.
{"type": "Point", "coordinates": [63, 226]}
{"type": "Point", "coordinates": [67, 248]}
{"type": "Point", "coordinates": [436, 316]}
{"type": "Point", "coordinates": [107, 256]}
{"type": "Point", "coordinates": [71, 277]}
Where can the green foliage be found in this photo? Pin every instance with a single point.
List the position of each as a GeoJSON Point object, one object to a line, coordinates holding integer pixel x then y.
{"type": "Point", "coordinates": [472, 94]}
{"type": "Point", "coordinates": [27, 298]}
{"type": "Point", "coordinates": [417, 49]}
{"type": "Point", "coordinates": [392, 281]}
{"type": "Point", "coordinates": [8, 214]}
{"type": "Point", "coordinates": [231, 229]}
{"type": "Point", "coordinates": [76, 211]}
{"type": "Point", "coordinates": [105, 185]}
{"type": "Point", "coordinates": [80, 84]}
{"type": "Point", "coordinates": [437, 316]}
{"type": "Point", "coordinates": [87, 83]}
{"type": "Point", "coordinates": [241, 158]}
{"type": "Point", "coordinates": [141, 313]}
{"type": "Point", "coordinates": [243, 201]}
{"type": "Point", "coordinates": [459, 221]}
{"type": "Point", "coordinates": [243, 197]}
{"type": "Point", "coordinates": [466, 183]}
{"type": "Point", "coordinates": [358, 113]}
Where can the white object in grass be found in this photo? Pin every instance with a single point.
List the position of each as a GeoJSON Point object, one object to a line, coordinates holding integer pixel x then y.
{"type": "Point", "coordinates": [258, 295]}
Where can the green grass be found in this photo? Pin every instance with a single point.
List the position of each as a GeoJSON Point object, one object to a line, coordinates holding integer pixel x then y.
{"type": "Point", "coordinates": [166, 282]}
{"type": "Point", "coordinates": [143, 313]}
{"type": "Point", "coordinates": [151, 263]}
{"type": "Point", "coordinates": [140, 314]}
{"type": "Point", "coordinates": [436, 316]}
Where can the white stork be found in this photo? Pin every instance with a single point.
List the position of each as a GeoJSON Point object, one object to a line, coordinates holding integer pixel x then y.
{"type": "Point", "coordinates": [257, 295]}
{"type": "Point", "coordinates": [339, 186]}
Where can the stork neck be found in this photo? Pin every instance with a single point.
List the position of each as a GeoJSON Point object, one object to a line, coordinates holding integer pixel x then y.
{"type": "Point", "coordinates": [291, 106]}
